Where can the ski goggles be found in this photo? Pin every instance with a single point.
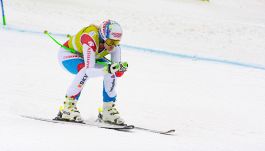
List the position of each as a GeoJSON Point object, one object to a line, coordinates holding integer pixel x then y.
{"type": "Point", "coordinates": [111, 42]}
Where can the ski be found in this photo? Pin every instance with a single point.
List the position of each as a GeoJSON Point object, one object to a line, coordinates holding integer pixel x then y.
{"type": "Point", "coordinates": [164, 132]}
{"type": "Point", "coordinates": [88, 123]}
{"type": "Point", "coordinates": [167, 132]}
{"type": "Point", "coordinates": [99, 124]}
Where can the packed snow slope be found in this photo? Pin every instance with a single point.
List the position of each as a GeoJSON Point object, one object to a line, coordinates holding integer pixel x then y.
{"type": "Point", "coordinates": [212, 106]}
{"type": "Point", "coordinates": [232, 30]}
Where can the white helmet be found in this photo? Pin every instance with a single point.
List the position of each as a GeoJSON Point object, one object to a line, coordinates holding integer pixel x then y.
{"type": "Point", "coordinates": [110, 29]}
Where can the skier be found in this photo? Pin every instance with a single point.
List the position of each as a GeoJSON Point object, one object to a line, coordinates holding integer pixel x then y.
{"type": "Point", "coordinates": [90, 46]}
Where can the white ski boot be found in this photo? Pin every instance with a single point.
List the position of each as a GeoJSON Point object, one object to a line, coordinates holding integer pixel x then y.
{"type": "Point", "coordinates": [111, 115]}
{"type": "Point", "coordinates": [69, 112]}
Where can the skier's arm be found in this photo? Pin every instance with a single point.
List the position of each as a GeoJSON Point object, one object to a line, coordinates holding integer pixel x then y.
{"type": "Point", "coordinates": [116, 54]}
{"type": "Point", "coordinates": [89, 49]}
{"type": "Point", "coordinates": [116, 58]}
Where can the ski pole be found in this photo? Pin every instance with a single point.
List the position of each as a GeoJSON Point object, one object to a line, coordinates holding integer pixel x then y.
{"type": "Point", "coordinates": [69, 49]}
{"type": "Point", "coordinates": [72, 50]}
{"type": "Point", "coordinates": [102, 63]}
{"type": "Point", "coordinates": [3, 13]}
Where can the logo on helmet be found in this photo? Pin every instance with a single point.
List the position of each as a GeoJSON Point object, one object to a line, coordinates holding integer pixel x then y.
{"type": "Point", "coordinates": [116, 35]}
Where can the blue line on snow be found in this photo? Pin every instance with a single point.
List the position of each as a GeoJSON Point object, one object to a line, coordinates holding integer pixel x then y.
{"type": "Point", "coordinates": [194, 57]}
{"type": "Point", "coordinates": [29, 31]}
{"type": "Point", "coordinates": [160, 52]}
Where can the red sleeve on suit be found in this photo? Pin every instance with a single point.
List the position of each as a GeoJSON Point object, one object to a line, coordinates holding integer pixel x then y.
{"type": "Point", "coordinates": [86, 39]}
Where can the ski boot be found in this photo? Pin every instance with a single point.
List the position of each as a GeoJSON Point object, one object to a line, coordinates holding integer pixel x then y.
{"type": "Point", "coordinates": [109, 114]}
{"type": "Point", "coordinates": [69, 112]}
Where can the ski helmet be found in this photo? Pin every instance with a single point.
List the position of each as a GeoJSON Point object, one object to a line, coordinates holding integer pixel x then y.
{"type": "Point", "coordinates": [110, 29]}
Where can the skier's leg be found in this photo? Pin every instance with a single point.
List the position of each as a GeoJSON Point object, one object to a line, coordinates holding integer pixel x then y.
{"type": "Point", "coordinates": [110, 113]}
{"type": "Point", "coordinates": [75, 65]}
{"type": "Point", "coordinates": [109, 85]}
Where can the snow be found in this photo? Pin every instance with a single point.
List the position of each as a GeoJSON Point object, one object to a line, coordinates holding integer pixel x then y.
{"type": "Point", "coordinates": [212, 106]}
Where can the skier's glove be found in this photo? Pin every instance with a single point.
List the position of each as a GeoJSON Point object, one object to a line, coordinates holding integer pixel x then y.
{"type": "Point", "coordinates": [112, 68]}
{"type": "Point", "coordinates": [123, 68]}
{"type": "Point", "coordinates": [117, 68]}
